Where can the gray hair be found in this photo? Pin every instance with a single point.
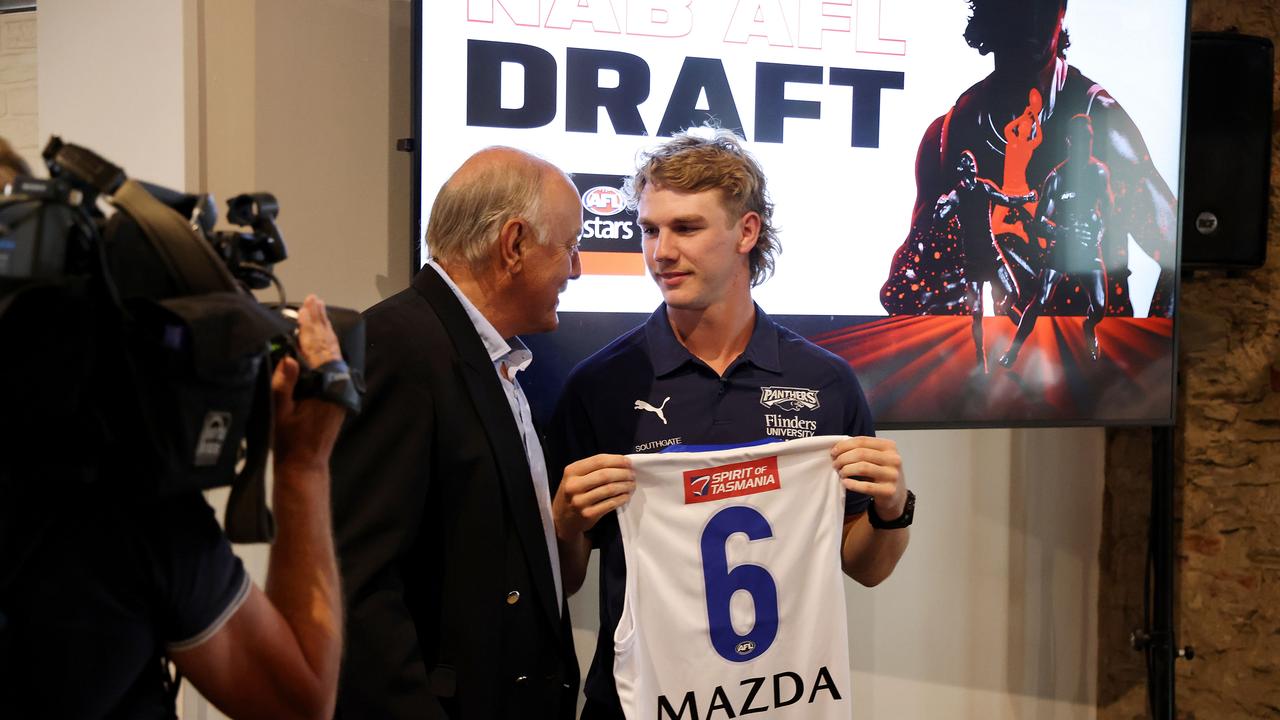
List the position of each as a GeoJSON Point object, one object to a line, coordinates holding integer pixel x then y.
{"type": "Point", "coordinates": [493, 186]}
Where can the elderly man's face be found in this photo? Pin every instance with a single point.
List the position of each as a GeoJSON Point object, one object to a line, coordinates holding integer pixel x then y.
{"type": "Point", "coordinates": [552, 262]}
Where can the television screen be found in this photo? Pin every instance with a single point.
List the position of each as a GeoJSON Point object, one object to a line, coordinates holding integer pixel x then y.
{"type": "Point", "coordinates": [977, 198]}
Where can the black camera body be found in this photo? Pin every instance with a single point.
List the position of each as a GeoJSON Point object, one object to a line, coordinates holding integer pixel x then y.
{"type": "Point", "coordinates": [135, 357]}
{"type": "Point", "coordinates": [35, 236]}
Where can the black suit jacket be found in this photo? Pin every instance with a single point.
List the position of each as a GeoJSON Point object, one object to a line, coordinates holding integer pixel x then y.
{"type": "Point", "coordinates": [450, 601]}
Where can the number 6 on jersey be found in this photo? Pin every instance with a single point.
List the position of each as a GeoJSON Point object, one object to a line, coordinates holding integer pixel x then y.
{"type": "Point", "coordinates": [722, 583]}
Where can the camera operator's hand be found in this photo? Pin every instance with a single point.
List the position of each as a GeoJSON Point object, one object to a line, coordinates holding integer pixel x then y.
{"type": "Point", "coordinates": [278, 654]}
{"type": "Point", "coordinates": [316, 338]}
{"type": "Point", "coordinates": [305, 430]}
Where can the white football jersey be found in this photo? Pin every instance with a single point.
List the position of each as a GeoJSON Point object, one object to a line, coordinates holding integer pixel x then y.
{"type": "Point", "coordinates": [734, 597]}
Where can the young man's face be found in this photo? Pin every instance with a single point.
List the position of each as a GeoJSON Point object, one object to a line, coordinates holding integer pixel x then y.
{"type": "Point", "coordinates": [696, 252]}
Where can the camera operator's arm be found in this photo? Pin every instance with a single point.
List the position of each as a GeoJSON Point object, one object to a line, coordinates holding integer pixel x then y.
{"type": "Point", "coordinates": [278, 655]}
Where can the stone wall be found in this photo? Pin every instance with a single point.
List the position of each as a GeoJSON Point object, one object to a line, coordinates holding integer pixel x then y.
{"type": "Point", "coordinates": [18, 86]}
{"type": "Point", "coordinates": [1227, 484]}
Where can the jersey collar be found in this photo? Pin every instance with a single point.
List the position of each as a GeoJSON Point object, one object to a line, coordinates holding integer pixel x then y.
{"type": "Point", "coordinates": [668, 355]}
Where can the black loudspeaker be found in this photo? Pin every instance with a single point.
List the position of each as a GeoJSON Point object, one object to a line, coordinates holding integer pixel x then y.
{"type": "Point", "coordinates": [1227, 181]}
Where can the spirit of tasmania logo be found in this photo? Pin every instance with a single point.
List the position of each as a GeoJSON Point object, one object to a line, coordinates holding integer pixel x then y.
{"type": "Point", "coordinates": [734, 480]}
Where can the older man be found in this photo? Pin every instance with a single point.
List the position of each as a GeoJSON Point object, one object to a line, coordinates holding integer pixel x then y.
{"type": "Point", "coordinates": [441, 498]}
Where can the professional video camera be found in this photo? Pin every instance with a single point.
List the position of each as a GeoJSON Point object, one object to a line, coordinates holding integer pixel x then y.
{"type": "Point", "coordinates": [133, 356]}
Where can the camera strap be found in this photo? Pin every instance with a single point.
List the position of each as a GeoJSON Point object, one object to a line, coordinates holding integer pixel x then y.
{"type": "Point", "coordinates": [194, 266]}
{"type": "Point", "coordinates": [194, 269]}
{"type": "Point", "coordinates": [190, 260]}
{"type": "Point", "coordinates": [247, 518]}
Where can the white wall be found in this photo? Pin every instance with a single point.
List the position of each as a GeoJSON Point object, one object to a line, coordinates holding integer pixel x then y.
{"type": "Point", "coordinates": [993, 612]}
{"type": "Point", "coordinates": [113, 78]}
{"type": "Point", "coordinates": [295, 98]}
{"type": "Point", "coordinates": [18, 98]}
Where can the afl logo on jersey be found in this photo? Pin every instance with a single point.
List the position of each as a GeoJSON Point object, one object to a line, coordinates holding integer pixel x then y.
{"type": "Point", "coordinates": [603, 200]}
{"type": "Point", "coordinates": [746, 647]}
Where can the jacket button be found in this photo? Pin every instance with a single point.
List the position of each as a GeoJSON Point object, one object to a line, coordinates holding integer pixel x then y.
{"type": "Point", "coordinates": [513, 597]}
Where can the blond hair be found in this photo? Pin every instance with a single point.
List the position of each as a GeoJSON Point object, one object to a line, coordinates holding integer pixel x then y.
{"type": "Point", "coordinates": [713, 159]}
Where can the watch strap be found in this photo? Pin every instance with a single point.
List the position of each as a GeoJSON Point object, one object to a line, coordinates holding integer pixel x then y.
{"type": "Point", "coordinates": [903, 520]}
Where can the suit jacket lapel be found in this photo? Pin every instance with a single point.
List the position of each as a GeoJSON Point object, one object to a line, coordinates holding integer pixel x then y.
{"type": "Point", "coordinates": [500, 427]}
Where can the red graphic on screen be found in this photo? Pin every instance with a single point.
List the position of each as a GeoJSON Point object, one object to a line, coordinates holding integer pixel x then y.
{"type": "Point", "coordinates": [1021, 136]}
{"type": "Point", "coordinates": [1055, 376]}
{"type": "Point", "coordinates": [970, 201]}
{"type": "Point", "coordinates": [995, 121]}
{"type": "Point", "coordinates": [1076, 199]}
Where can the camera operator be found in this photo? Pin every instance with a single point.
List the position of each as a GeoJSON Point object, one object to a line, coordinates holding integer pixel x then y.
{"type": "Point", "coordinates": [114, 586]}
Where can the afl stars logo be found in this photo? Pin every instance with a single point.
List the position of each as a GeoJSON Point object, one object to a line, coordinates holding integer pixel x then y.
{"type": "Point", "coordinates": [603, 201]}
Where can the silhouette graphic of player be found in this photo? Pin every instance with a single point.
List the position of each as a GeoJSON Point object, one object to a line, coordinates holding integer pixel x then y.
{"type": "Point", "coordinates": [1073, 202]}
{"type": "Point", "coordinates": [971, 200]}
{"type": "Point", "coordinates": [1029, 43]}
{"type": "Point", "coordinates": [1021, 136]}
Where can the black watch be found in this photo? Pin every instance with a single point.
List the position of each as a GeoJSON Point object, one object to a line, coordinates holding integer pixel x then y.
{"type": "Point", "coordinates": [332, 381]}
{"type": "Point", "coordinates": [903, 520]}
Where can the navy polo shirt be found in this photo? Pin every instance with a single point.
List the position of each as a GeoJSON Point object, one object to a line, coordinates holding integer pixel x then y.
{"type": "Point", "coordinates": [645, 391]}
{"type": "Point", "coordinates": [112, 584]}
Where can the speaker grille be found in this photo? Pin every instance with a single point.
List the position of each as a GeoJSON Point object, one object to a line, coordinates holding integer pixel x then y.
{"type": "Point", "coordinates": [1227, 181]}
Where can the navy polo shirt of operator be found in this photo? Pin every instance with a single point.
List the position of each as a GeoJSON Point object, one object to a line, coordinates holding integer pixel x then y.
{"type": "Point", "coordinates": [646, 391]}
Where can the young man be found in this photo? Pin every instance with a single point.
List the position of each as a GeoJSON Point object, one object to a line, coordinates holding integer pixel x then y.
{"type": "Point", "coordinates": [708, 367]}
